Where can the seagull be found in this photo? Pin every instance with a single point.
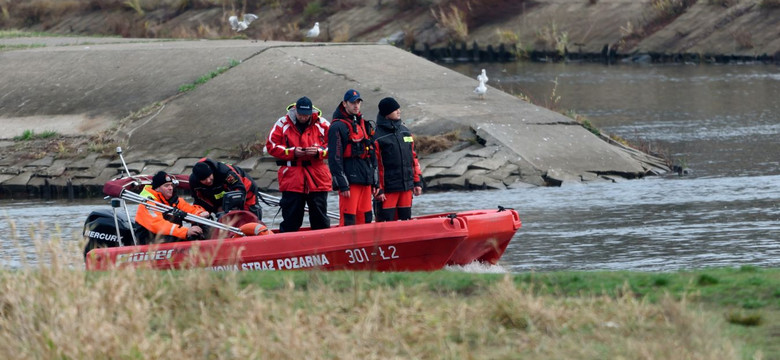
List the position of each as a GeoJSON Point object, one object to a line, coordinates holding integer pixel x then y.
{"type": "Point", "coordinates": [481, 89]}
{"type": "Point", "coordinates": [483, 76]}
{"type": "Point", "coordinates": [243, 24]}
{"type": "Point", "coordinates": [314, 32]}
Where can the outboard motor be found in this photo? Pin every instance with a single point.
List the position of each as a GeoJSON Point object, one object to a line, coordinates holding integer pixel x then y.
{"type": "Point", "coordinates": [100, 231]}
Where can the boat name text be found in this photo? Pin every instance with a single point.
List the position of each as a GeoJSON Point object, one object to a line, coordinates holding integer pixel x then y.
{"type": "Point", "coordinates": [144, 256]}
{"type": "Point", "coordinates": [290, 263]}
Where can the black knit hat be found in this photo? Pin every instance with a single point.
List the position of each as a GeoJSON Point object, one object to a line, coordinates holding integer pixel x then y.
{"type": "Point", "coordinates": [159, 179]}
{"type": "Point", "coordinates": [388, 105]}
{"type": "Point", "coordinates": [201, 170]}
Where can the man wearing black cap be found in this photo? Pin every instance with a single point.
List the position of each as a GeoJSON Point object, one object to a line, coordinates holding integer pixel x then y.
{"type": "Point", "coordinates": [210, 180]}
{"type": "Point", "coordinates": [164, 227]}
{"type": "Point", "coordinates": [299, 140]}
{"type": "Point", "coordinates": [399, 171]}
{"type": "Point", "coordinates": [352, 160]}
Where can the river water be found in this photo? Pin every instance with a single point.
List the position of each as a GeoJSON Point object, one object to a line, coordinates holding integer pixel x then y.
{"type": "Point", "coordinates": [720, 121]}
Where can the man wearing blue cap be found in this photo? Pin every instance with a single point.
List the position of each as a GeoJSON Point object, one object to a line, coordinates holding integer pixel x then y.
{"type": "Point", "coordinates": [352, 160]}
{"type": "Point", "coordinates": [299, 142]}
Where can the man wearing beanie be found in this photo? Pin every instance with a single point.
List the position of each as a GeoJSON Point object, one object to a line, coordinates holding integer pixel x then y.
{"type": "Point", "coordinates": [163, 227]}
{"type": "Point", "coordinates": [210, 180]}
{"type": "Point", "coordinates": [399, 171]}
{"type": "Point", "coordinates": [299, 142]}
{"type": "Point", "coordinates": [352, 160]}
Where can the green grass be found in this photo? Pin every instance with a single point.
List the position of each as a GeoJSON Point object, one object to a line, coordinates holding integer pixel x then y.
{"type": "Point", "coordinates": [9, 34]}
{"type": "Point", "coordinates": [31, 135]}
{"type": "Point", "coordinates": [20, 46]}
{"type": "Point", "coordinates": [205, 78]}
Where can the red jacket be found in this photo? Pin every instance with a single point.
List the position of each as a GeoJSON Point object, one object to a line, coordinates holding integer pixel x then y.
{"type": "Point", "coordinates": [304, 174]}
{"type": "Point", "coordinates": [153, 220]}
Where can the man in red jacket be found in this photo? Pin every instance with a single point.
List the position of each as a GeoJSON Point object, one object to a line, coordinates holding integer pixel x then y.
{"type": "Point", "coordinates": [299, 140]}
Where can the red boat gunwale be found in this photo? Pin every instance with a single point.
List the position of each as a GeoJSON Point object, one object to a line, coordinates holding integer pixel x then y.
{"type": "Point", "coordinates": [400, 246]}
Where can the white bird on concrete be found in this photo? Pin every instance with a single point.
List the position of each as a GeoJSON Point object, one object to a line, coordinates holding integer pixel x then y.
{"type": "Point", "coordinates": [243, 24]}
{"type": "Point", "coordinates": [314, 32]}
{"type": "Point", "coordinates": [483, 76]}
{"type": "Point", "coordinates": [481, 89]}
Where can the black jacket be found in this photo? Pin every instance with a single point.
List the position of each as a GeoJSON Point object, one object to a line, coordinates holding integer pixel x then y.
{"type": "Point", "coordinates": [398, 166]}
{"type": "Point", "coordinates": [226, 178]}
{"type": "Point", "coordinates": [350, 162]}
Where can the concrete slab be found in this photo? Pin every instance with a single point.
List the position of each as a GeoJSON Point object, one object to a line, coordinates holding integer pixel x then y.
{"type": "Point", "coordinates": [152, 169]}
{"type": "Point", "coordinates": [182, 165]}
{"type": "Point", "coordinates": [42, 162]}
{"type": "Point", "coordinates": [448, 183]}
{"type": "Point", "coordinates": [97, 167]}
{"type": "Point", "coordinates": [493, 163]}
{"type": "Point", "coordinates": [86, 81]}
{"type": "Point", "coordinates": [83, 164]}
{"type": "Point", "coordinates": [5, 177]}
{"type": "Point", "coordinates": [19, 180]}
{"type": "Point", "coordinates": [57, 167]}
{"type": "Point", "coordinates": [459, 168]}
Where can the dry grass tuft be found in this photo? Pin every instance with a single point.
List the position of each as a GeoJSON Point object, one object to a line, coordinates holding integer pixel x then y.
{"type": "Point", "coordinates": [552, 37]}
{"type": "Point", "coordinates": [429, 144]}
{"type": "Point", "coordinates": [341, 34]}
{"type": "Point", "coordinates": [743, 39]}
{"type": "Point", "coordinates": [453, 21]}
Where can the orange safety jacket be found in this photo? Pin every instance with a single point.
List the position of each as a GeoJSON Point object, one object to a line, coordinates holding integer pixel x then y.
{"type": "Point", "coordinates": [153, 220]}
{"type": "Point", "coordinates": [304, 174]}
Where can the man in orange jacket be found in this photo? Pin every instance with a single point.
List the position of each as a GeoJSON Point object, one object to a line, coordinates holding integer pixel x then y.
{"type": "Point", "coordinates": [167, 227]}
{"type": "Point", "coordinates": [299, 140]}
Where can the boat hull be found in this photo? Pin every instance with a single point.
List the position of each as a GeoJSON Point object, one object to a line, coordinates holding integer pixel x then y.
{"type": "Point", "coordinates": [490, 232]}
{"type": "Point", "coordinates": [420, 245]}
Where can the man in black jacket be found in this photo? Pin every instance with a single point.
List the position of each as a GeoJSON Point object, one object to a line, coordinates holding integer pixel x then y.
{"type": "Point", "coordinates": [352, 160]}
{"type": "Point", "coordinates": [399, 171]}
{"type": "Point", "coordinates": [211, 179]}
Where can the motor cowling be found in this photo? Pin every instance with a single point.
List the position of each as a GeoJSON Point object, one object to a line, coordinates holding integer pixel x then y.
{"type": "Point", "coordinates": [100, 231]}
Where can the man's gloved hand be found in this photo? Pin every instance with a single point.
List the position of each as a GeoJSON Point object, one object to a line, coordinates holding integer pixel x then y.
{"type": "Point", "coordinates": [174, 215]}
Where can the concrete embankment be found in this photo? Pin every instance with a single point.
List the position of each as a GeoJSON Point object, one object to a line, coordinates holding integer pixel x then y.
{"type": "Point", "coordinates": [133, 90]}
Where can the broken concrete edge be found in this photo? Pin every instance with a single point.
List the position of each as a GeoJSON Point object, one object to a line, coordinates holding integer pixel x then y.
{"type": "Point", "coordinates": [465, 166]}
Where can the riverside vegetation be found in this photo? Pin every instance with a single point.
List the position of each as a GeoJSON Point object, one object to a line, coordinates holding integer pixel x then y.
{"type": "Point", "coordinates": [54, 309]}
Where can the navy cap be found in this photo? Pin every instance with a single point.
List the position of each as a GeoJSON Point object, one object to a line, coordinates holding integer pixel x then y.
{"type": "Point", "coordinates": [352, 95]}
{"type": "Point", "coordinates": [303, 106]}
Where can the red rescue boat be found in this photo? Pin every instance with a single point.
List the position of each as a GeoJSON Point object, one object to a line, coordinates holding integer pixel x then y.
{"type": "Point", "coordinates": [424, 243]}
{"type": "Point", "coordinates": [405, 246]}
